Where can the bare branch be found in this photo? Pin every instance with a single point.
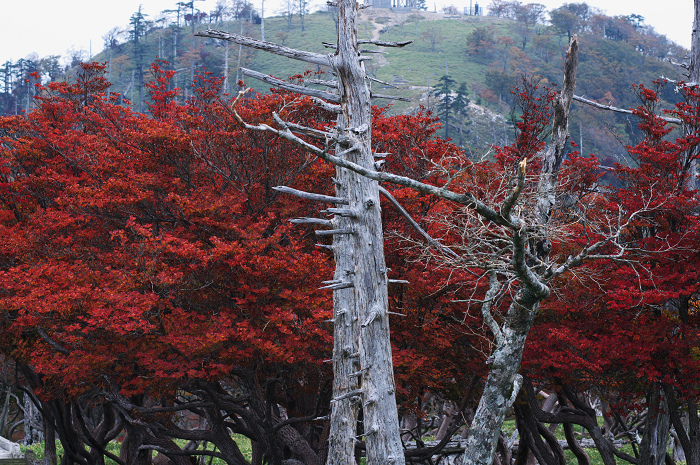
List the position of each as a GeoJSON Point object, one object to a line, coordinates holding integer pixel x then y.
{"type": "Point", "coordinates": [465, 198]}
{"type": "Point", "coordinates": [487, 305]}
{"type": "Point", "coordinates": [330, 232]}
{"type": "Point", "coordinates": [513, 197]}
{"type": "Point", "coordinates": [382, 82]}
{"type": "Point", "coordinates": [273, 81]}
{"type": "Point", "coordinates": [390, 97]}
{"type": "Point", "coordinates": [322, 82]}
{"type": "Point", "coordinates": [301, 55]}
{"type": "Point", "coordinates": [310, 195]}
{"type": "Point", "coordinates": [319, 221]}
{"type": "Point", "coordinates": [310, 131]}
{"type": "Point", "coordinates": [51, 342]}
{"type": "Point", "coordinates": [362, 50]}
{"type": "Point", "coordinates": [383, 43]}
{"type": "Point", "coordinates": [620, 110]}
{"type": "Point", "coordinates": [416, 226]}
{"type": "Point", "coordinates": [327, 106]}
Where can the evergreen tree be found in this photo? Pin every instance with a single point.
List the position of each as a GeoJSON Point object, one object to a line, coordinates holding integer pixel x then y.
{"type": "Point", "coordinates": [460, 106]}
{"type": "Point", "coordinates": [443, 92]}
{"type": "Point", "coordinates": [137, 32]}
{"type": "Point", "coordinates": [7, 80]}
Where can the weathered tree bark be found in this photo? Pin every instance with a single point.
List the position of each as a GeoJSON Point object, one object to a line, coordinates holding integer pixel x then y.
{"type": "Point", "coordinates": [694, 77]}
{"type": "Point", "coordinates": [688, 433]}
{"type": "Point", "coordinates": [344, 407]}
{"type": "Point", "coordinates": [503, 380]}
{"type": "Point", "coordinates": [449, 409]}
{"type": "Point", "coordinates": [369, 280]}
{"type": "Point", "coordinates": [362, 362]}
{"type": "Point", "coordinates": [652, 451]}
{"type": "Point", "coordinates": [366, 251]}
{"type": "Point", "coordinates": [553, 155]}
{"type": "Point", "coordinates": [33, 430]}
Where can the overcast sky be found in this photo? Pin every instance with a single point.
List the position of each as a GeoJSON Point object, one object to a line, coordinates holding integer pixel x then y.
{"type": "Point", "coordinates": [53, 27]}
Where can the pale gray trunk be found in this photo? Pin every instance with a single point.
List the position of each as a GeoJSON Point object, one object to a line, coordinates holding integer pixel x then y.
{"type": "Point", "coordinates": [360, 284]}
{"type": "Point", "coordinates": [409, 426]}
{"type": "Point", "coordinates": [502, 383]}
{"type": "Point", "coordinates": [553, 155]}
{"type": "Point", "coordinates": [345, 406]}
{"type": "Point", "coordinates": [503, 380]}
{"type": "Point", "coordinates": [450, 411]}
{"type": "Point", "coordinates": [365, 264]}
{"type": "Point", "coordinates": [262, 21]}
{"type": "Point", "coordinates": [652, 451]}
{"type": "Point", "coordinates": [240, 54]}
{"type": "Point", "coordinates": [694, 77]}
{"type": "Point", "coordinates": [5, 411]}
{"type": "Point", "coordinates": [33, 424]}
{"type": "Point", "coordinates": [174, 46]}
{"type": "Point", "coordinates": [109, 69]}
{"type": "Point", "coordinates": [226, 64]}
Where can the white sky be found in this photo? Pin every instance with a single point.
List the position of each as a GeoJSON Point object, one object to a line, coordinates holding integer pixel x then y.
{"type": "Point", "coordinates": [53, 27]}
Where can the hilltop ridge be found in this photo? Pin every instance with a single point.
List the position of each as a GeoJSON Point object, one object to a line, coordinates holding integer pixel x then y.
{"type": "Point", "coordinates": [486, 53]}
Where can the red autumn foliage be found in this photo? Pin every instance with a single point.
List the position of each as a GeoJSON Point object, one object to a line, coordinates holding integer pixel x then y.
{"type": "Point", "coordinates": [139, 251]}
{"type": "Point", "coordinates": [628, 325]}
{"type": "Point", "coordinates": [147, 255]}
{"type": "Point", "coordinates": [142, 256]}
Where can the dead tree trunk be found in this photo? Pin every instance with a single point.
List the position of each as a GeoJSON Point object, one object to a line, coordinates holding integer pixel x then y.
{"type": "Point", "coordinates": [381, 427]}
{"type": "Point", "coordinates": [362, 362]}
{"type": "Point", "coordinates": [367, 277]}
{"type": "Point", "coordinates": [652, 451]}
{"type": "Point", "coordinates": [503, 381]}
{"type": "Point", "coordinates": [376, 390]}
{"type": "Point", "coordinates": [695, 47]}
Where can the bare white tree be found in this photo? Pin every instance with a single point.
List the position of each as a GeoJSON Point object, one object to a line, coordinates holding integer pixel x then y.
{"type": "Point", "coordinates": [362, 362]}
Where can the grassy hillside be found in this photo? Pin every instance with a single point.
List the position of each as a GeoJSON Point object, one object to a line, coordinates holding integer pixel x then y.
{"type": "Point", "coordinates": [442, 45]}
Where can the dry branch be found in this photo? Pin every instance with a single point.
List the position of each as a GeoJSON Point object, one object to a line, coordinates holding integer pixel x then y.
{"type": "Point", "coordinates": [273, 81]}
{"type": "Point", "coordinates": [318, 221]}
{"type": "Point", "coordinates": [620, 110]}
{"type": "Point", "coordinates": [383, 43]}
{"type": "Point", "coordinates": [310, 195]}
{"type": "Point", "coordinates": [301, 55]}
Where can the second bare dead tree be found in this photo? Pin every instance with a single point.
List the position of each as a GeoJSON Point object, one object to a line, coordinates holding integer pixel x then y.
{"type": "Point", "coordinates": [520, 266]}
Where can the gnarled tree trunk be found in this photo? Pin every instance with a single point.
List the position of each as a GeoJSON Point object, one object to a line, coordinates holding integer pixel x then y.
{"type": "Point", "coordinates": [362, 362]}
{"type": "Point", "coordinates": [360, 260]}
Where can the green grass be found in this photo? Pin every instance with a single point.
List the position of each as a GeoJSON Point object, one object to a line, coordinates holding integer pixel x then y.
{"type": "Point", "coordinates": [114, 447]}
{"type": "Point", "coordinates": [246, 448]}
